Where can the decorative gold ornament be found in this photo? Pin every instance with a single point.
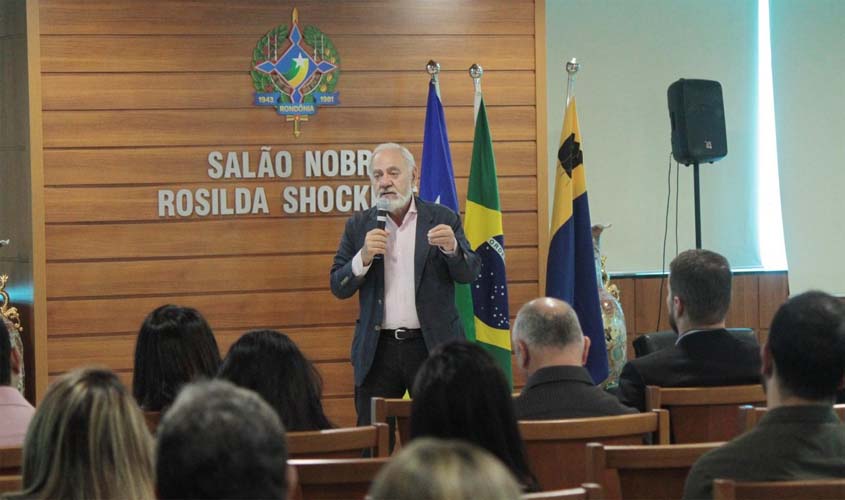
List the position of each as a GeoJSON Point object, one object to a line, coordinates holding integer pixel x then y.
{"type": "Point", "coordinates": [10, 313]}
{"type": "Point", "coordinates": [12, 318]}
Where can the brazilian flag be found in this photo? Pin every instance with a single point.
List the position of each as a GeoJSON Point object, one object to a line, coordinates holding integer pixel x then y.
{"type": "Point", "coordinates": [483, 226]}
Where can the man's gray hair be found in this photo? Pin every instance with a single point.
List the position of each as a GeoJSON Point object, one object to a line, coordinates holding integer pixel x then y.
{"type": "Point", "coordinates": [387, 146]}
{"type": "Point", "coordinates": [545, 327]}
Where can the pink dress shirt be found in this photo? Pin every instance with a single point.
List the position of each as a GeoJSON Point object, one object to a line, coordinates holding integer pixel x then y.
{"type": "Point", "coordinates": [400, 302]}
{"type": "Point", "coordinates": [15, 414]}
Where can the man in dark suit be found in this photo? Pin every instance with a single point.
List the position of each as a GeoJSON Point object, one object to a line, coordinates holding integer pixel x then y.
{"type": "Point", "coordinates": [705, 354]}
{"type": "Point", "coordinates": [404, 275]}
{"type": "Point", "coordinates": [800, 437]}
{"type": "Point", "coordinates": [551, 350]}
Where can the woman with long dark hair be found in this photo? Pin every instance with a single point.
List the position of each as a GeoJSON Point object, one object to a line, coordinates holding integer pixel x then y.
{"type": "Point", "coordinates": [270, 363]}
{"type": "Point", "coordinates": [175, 346]}
{"type": "Point", "coordinates": [460, 393]}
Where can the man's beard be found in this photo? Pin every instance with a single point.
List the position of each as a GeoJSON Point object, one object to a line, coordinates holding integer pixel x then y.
{"type": "Point", "coordinates": [399, 201]}
{"type": "Point", "coordinates": [672, 322]}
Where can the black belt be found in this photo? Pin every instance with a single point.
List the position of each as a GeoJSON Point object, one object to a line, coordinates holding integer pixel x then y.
{"type": "Point", "coordinates": [402, 333]}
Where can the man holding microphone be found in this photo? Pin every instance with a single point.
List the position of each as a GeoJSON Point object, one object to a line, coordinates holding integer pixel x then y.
{"type": "Point", "coordinates": [404, 273]}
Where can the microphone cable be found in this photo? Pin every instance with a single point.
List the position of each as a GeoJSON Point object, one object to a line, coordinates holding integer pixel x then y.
{"type": "Point", "coordinates": [666, 235]}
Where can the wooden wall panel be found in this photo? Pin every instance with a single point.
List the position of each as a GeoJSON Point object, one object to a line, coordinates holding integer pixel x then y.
{"type": "Point", "coordinates": [99, 316]}
{"type": "Point", "coordinates": [135, 96]}
{"type": "Point", "coordinates": [221, 17]}
{"type": "Point", "coordinates": [168, 165]}
{"type": "Point", "coordinates": [183, 54]}
{"type": "Point", "coordinates": [325, 344]}
{"type": "Point", "coordinates": [63, 91]}
{"type": "Point", "coordinates": [224, 236]}
{"type": "Point", "coordinates": [119, 128]}
{"type": "Point", "coordinates": [117, 203]}
{"type": "Point", "coordinates": [745, 299]}
{"type": "Point", "coordinates": [219, 275]}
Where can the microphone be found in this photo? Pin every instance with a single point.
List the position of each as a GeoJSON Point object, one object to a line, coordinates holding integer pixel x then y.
{"type": "Point", "coordinates": [382, 206]}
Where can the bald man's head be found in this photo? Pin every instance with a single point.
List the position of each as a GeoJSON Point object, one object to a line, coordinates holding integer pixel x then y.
{"type": "Point", "coordinates": [548, 322]}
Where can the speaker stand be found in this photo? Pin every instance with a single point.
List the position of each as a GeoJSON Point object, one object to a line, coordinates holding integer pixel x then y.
{"type": "Point", "coordinates": [697, 189]}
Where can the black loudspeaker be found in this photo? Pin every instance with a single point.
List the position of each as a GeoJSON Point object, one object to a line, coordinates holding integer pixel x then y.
{"type": "Point", "coordinates": [697, 114]}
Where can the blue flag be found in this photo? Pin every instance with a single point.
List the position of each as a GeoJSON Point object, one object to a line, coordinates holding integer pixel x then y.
{"type": "Point", "coordinates": [571, 268]}
{"type": "Point", "coordinates": [437, 178]}
{"type": "Point", "coordinates": [437, 184]}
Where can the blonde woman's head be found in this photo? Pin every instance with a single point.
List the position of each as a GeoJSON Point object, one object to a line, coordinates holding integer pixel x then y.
{"type": "Point", "coordinates": [88, 439]}
{"type": "Point", "coordinates": [438, 469]}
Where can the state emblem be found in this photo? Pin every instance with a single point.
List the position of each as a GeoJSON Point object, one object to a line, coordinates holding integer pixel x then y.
{"type": "Point", "coordinates": [295, 71]}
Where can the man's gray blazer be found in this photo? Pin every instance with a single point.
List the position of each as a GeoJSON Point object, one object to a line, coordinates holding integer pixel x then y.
{"type": "Point", "coordinates": [434, 275]}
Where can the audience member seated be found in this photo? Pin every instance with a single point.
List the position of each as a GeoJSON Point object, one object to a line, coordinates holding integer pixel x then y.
{"type": "Point", "coordinates": [800, 437]}
{"type": "Point", "coordinates": [270, 364]}
{"type": "Point", "coordinates": [88, 439]}
{"type": "Point", "coordinates": [460, 393]}
{"type": "Point", "coordinates": [551, 350]}
{"type": "Point", "coordinates": [15, 411]}
{"type": "Point", "coordinates": [435, 469]}
{"type": "Point", "coordinates": [175, 346]}
{"type": "Point", "coordinates": [221, 441]}
{"type": "Point", "coordinates": [699, 295]}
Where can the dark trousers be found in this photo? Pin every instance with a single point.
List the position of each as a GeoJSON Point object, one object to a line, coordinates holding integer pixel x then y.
{"type": "Point", "coordinates": [393, 371]}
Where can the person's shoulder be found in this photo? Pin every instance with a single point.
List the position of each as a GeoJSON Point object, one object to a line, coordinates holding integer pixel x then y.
{"type": "Point", "coordinates": [655, 358]}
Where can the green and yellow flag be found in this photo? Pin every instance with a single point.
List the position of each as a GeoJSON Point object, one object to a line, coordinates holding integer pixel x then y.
{"type": "Point", "coordinates": [483, 226]}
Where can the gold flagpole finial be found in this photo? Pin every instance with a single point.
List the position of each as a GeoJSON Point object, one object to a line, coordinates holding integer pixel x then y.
{"type": "Point", "coordinates": [476, 72]}
{"type": "Point", "coordinates": [572, 67]}
{"type": "Point", "coordinates": [433, 69]}
{"type": "Point", "coordinates": [295, 16]}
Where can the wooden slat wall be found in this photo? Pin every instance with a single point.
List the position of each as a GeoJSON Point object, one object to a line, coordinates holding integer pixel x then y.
{"type": "Point", "coordinates": [136, 94]}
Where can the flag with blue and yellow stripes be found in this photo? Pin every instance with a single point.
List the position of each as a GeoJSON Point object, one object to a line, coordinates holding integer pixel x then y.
{"type": "Point", "coordinates": [483, 226]}
{"type": "Point", "coordinates": [571, 270]}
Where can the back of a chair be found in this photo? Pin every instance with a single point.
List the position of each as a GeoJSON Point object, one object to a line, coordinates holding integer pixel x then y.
{"type": "Point", "coordinates": [817, 489]}
{"type": "Point", "coordinates": [10, 460]}
{"type": "Point", "coordinates": [347, 442]}
{"type": "Point", "coordinates": [555, 448]}
{"type": "Point", "coordinates": [335, 478]}
{"type": "Point", "coordinates": [10, 483]}
{"type": "Point", "coordinates": [383, 409]}
{"type": "Point", "coordinates": [750, 415]}
{"type": "Point", "coordinates": [655, 472]}
{"type": "Point", "coordinates": [704, 414]}
{"type": "Point", "coordinates": [587, 491]}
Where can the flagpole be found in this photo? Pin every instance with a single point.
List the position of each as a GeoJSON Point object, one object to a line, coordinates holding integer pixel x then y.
{"type": "Point", "coordinates": [433, 69]}
{"type": "Point", "coordinates": [572, 67]}
{"type": "Point", "coordinates": [475, 72]}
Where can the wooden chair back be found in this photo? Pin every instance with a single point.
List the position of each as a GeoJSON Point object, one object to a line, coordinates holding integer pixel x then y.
{"type": "Point", "coordinates": [384, 409]}
{"type": "Point", "coordinates": [11, 459]}
{"type": "Point", "coordinates": [152, 418]}
{"type": "Point", "coordinates": [817, 489]}
{"type": "Point", "coordinates": [587, 491]}
{"type": "Point", "coordinates": [656, 472]}
{"type": "Point", "coordinates": [10, 483]}
{"type": "Point", "coordinates": [347, 442]}
{"type": "Point", "coordinates": [704, 414]}
{"type": "Point", "coordinates": [555, 448]}
{"type": "Point", "coordinates": [750, 415]}
{"type": "Point", "coordinates": [335, 478]}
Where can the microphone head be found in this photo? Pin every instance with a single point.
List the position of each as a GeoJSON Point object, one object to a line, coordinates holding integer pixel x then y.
{"type": "Point", "coordinates": [383, 205]}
